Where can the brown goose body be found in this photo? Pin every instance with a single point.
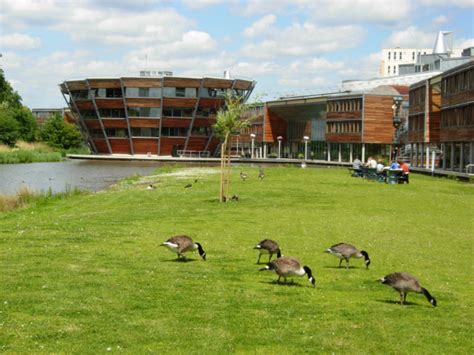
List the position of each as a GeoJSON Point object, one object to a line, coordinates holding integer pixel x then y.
{"type": "Point", "coordinates": [287, 266]}
{"type": "Point", "coordinates": [345, 251]}
{"type": "Point", "coordinates": [268, 246]}
{"type": "Point", "coordinates": [404, 283]}
{"type": "Point", "coordinates": [181, 244]}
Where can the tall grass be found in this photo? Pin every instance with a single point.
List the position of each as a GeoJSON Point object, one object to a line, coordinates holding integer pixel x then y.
{"type": "Point", "coordinates": [26, 152]}
{"type": "Point", "coordinates": [25, 197]}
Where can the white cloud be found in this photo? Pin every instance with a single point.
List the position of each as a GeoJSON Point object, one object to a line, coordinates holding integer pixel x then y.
{"type": "Point", "coordinates": [440, 20]}
{"type": "Point", "coordinates": [261, 26]}
{"type": "Point", "coordinates": [411, 37]}
{"type": "Point", "coordinates": [465, 43]}
{"type": "Point", "coordinates": [356, 11]}
{"type": "Point", "coordinates": [305, 39]}
{"type": "Point", "coordinates": [200, 4]}
{"type": "Point", "coordinates": [20, 41]}
{"type": "Point", "coordinates": [444, 3]}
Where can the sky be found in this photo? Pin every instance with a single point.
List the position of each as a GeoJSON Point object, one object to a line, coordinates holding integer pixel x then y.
{"type": "Point", "coordinates": [289, 47]}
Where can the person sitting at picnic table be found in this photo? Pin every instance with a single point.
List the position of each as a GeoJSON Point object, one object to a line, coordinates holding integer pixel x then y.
{"type": "Point", "coordinates": [381, 171]}
{"type": "Point", "coordinates": [371, 163]}
{"type": "Point", "coordinates": [394, 166]}
{"type": "Point", "coordinates": [405, 172]}
{"type": "Point", "coordinates": [356, 164]}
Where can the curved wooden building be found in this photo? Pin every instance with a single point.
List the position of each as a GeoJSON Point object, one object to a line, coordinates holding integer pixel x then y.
{"type": "Point", "coordinates": [150, 115]}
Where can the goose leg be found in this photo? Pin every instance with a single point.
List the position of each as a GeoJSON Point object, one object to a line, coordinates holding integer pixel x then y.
{"type": "Point", "coordinates": [270, 258]}
{"type": "Point", "coordinates": [340, 262]}
{"type": "Point", "coordinates": [259, 255]}
{"type": "Point", "coordinates": [404, 297]}
{"type": "Point", "coordinates": [347, 264]}
{"type": "Point", "coordinates": [279, 277]}
{"type": "Point", "coordinates": [401, 298]}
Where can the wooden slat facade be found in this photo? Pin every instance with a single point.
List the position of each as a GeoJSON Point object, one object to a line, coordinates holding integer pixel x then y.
{"type": "Point", "coordinates": [114, 123]}
{"type": "Point", "coordinates": [378, 119]}
{"type": "Point", "coordinates": [344, 137]}
{"type": "Point", "coordinates": [120, 145]}
{"type": "Point", "coordinates": [143, 102]}
{"type": "Point", "coordinates": [144, 122]}
{"type": "Point", "coordinates": [274, 126]}
{"type": "Point", "coordinates": [143, 145]}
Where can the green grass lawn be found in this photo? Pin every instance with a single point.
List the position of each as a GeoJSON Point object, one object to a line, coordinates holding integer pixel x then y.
{"type": "Point", "coordinates": [87, 274]}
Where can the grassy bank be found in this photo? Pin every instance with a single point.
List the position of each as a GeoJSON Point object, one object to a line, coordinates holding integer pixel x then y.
{"type": "Point", "coordinates": [87, 274]}
{"type": "Point", "coordinates": [34, 153]}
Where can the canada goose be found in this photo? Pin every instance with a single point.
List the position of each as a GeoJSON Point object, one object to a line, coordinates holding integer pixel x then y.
{"type": "Point", "coordinates": [181, 244]}
{"type": "Point", "coordinates": [268, 246]}
{"type": "Point", "coordinates": [404, 283]}
{"type": "Point", "coordinates": [347, 251]}
{"type": "Point", "coordinates": [151, 187]}
{"type": "Point", "coordinates": [243, 176]}
{"type": "Point", "coordinates": [287, 266]}
{"type": "Point", "coordinates": [188, 186]}
{"type": "Point", "coordinates": [261, 174]}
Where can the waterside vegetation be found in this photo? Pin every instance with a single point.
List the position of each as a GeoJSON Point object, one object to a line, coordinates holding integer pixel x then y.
{"type": "Point", "coordinates": [87, 273]}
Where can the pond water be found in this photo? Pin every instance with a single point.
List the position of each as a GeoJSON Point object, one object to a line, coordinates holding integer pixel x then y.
{"type": "Point", "coordinates": [83, 174]}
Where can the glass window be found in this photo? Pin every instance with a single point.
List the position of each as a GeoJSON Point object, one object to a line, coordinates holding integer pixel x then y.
{"type": "Point", "coordinates": [88, 114]}
{"type": "Point", "coordinates": [116, 132]}
{"type": "Point", "coordinates": [190, 92]}
{"type": "Point", "coordinates": [145, 132]}
{"type": "Point", "coordinates": [169, 92]}
{"type": "Point", "coordinates": [112, 112]}
{"type": "Point", "coordinates": [180, 92]}
{"type": "Point", "coordinates": [131, 92]}
{"type": "Point", "coordinates": [80, 94]}
{"type": "Point", "coordinates": [413, 55]}
{"type": "Point", "coordinates": [388, 55]}
{"type": "Point", "coordinates": [400, 56]}
{"type": "Point", "coordinates": [143, 111]}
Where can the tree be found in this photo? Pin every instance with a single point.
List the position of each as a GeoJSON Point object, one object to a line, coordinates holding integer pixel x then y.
{"type": "Point", "coordinates": [60, 134]}
{"type": "Point", "coordinates": [229, 121]}
{"type": "Point", "coordinates": [7, 94]}
{"type": "Point", "coordinates": [8, 126]}
{"type": "Point", "coordinates": [28, 127]}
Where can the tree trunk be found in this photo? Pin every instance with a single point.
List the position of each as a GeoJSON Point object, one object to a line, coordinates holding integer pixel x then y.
{"type": "Point", "coordinates": [222, 197]}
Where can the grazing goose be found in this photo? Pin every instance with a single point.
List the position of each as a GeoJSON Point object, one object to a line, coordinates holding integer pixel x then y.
{"type": "Point", "coordinates": [404, 283]}
{"type": "Point", "coordinates": [243, 176]}
{"type": "Point", "coordinates": [188, 186]}
{"type": "Point", "coordinates": [347, 251]}
{"type": "Point", "coordinates": [289, 267]}
{"type": "Point", "coordinates": [181, 244]}
{"type": "Point", "coordinates": [268, 246]}
{"type": "Point", "coordinates": [261, 174]}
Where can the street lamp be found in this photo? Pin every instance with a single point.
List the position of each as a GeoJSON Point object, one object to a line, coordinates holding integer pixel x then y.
{"type": "Point", "coordinates": [397, 120]}
{"type": "Point", "coordinates": [252, 135]}
{"type": "Point", "coordinates": [279, 146]}
{"type": "Point", "coordinates": [306, 139]}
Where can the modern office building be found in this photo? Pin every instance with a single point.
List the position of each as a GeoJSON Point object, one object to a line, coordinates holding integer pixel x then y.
{"type": "Point", "coordinates": [441, 120]}
{"type": "Point", "coordinates": [154, 114]}
{"type": "Point", "coordinates": [334, 126]}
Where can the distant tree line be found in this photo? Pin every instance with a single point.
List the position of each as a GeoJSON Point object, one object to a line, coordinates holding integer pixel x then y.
{"type": "Point", "coordinates": [17, 123]}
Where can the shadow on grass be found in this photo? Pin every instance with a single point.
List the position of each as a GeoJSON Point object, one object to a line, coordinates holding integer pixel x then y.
{"type": "Point", "coordinates": [406, 303]}
{"type": "Point", "coordinates": [343, 267]}
{"type": "Point", "coordinates": [179, 260]}
{"type": "Point", "coordinates": [275, 282]}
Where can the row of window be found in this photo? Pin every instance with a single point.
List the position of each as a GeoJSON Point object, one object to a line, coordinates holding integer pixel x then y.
{"type": "Point", "coordinates": [151, 132]}
{"type": "Point", "coordinates": [458, 117]}
{"type": "Point", "coordinates": [151, 112]}
{"type": "Point", "coordinates": [394, 70]}
{"type": "Point", "coordinates": [400, 55]}
{"type": "Point", "coordinates": [344, 127]}
{"type": "Point", "coordinates": [416, 123]}
{"type": "Point", "coordinates": [136, 92]}
{"type": "Point", "coordinates": [457, 83]}
{"type": "Point", "coordinates": [347, 105]}
{"type": "Point", "coordinates": [417, 96]}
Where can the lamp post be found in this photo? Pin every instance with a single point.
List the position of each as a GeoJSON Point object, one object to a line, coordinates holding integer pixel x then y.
{"type": "Point", "coordinates": [306, 139]}
{"type": "Point", "coordinates": [279, 146]}
{"type": "Point", "coordinates": [397, 121]}
{"type": "Point", "coordinates": [252, 135]}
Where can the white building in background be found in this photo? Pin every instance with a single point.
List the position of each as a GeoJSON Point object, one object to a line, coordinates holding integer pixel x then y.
{"type": "Point", "coordinates": [392, 58]}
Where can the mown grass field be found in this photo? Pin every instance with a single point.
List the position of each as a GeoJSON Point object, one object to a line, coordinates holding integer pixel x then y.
{"type": "Point", "coordinates": [86, 274]}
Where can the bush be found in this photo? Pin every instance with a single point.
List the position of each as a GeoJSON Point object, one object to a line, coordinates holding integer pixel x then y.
{"type": "Point", "coordinates": [60, 134]}
{"type": "Point", "coordinates": [8, 128]}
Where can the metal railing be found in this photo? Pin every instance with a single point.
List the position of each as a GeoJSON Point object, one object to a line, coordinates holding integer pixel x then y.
{"type": "Point", "coordinates": [193, 153]}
